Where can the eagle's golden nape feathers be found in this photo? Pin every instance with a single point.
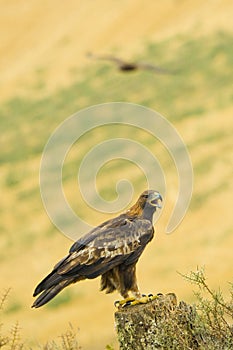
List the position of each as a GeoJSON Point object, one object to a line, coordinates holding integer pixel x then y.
{"type": "Point", "coordinates": [110, 250]}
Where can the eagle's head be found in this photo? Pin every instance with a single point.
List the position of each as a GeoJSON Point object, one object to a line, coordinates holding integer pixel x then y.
{"type": "Point", "coordinates": [146, 204]}
{"type": "Point", "coordinates": [150, 198]}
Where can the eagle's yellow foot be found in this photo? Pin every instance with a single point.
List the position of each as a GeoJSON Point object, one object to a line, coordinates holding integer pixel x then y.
{"type": "Point", "coordinates": [133, 301]}
{"type": "Point", "coordinates": [124, 302]}
{"type": "Point", "coordinates": [143, 300]}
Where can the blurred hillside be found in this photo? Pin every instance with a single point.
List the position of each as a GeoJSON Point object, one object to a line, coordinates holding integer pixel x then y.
{"type": "Point", "coordinates": [45, 77]}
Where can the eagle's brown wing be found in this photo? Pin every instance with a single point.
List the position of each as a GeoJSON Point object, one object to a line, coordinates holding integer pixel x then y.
{"type": "Point", "coordinates": [106, 58]}
{"type": "Point", "coordinates": [152, 67]}
{"type": "Point", "coordinates": [115, 242]}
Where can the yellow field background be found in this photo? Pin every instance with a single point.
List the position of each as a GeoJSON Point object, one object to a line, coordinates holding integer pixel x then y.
{"type": "Point", "coordinates": [43, 50]}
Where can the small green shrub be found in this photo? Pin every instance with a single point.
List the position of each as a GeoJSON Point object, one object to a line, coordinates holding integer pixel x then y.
{"type": "Point", "coordinates": [205, 325]}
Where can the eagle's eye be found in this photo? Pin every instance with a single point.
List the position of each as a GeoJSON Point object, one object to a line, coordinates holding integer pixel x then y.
{"type": "Point", "coordinates": [145, 196]}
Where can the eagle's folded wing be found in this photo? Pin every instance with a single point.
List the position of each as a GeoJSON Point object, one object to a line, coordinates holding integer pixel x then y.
{"type": "Point", "coordinates": [104, 247]}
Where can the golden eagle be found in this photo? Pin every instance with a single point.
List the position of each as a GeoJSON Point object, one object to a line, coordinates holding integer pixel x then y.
{"type": "Point", "coordinates": [110, 250]}
{"type": "Point", "coordinates": [125, 66]}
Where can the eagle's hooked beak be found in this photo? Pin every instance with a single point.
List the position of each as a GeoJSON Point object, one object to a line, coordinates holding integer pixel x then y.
{"type": "Point", "coordinates": [156, 198]}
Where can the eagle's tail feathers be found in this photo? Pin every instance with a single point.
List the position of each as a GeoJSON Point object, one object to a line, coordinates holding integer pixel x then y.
{"type": "Point", "coordinates": [49, 281]}
{"type": "Point", "coordinates": [50, 293]}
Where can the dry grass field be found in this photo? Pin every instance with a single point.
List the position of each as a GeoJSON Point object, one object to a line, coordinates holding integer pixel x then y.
{"type": "Point", "coordinates": [45, 77]}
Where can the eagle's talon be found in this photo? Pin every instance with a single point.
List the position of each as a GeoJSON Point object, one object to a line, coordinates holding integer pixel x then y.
{"type": "Point", "coordinates": [151, 297]}
{"type": "Point", "coordinates": [128, 303]}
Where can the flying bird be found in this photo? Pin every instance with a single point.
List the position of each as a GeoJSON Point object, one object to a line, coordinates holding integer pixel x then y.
{"type": "Point", "coordinates": [110, 250]}
{"type": "Point", "coordinates": [125, 66]}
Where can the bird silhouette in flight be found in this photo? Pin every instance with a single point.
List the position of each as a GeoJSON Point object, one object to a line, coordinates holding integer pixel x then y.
{"type": "Point", "coordinates": [125, 66]}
